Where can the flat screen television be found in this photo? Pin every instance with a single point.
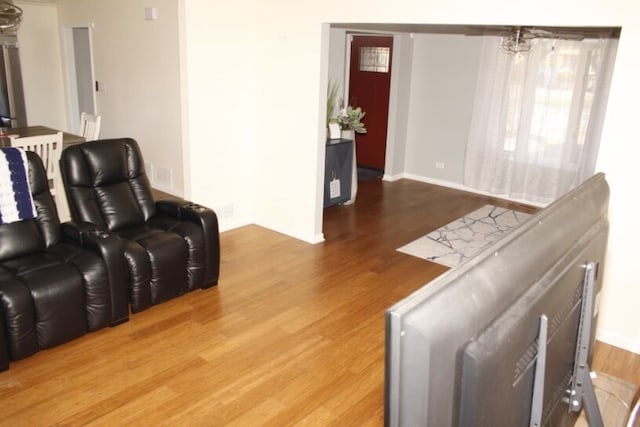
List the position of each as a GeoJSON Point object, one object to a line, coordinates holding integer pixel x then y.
{"type": "Point", "coordinates": [497, 340]}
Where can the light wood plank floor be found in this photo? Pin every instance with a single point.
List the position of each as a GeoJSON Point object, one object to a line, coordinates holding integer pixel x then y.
{"type": "Point", "coordinates": [292, 335]}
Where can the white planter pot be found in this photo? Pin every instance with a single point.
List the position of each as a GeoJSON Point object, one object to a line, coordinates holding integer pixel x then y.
{"type": "Point", "coordinates": [348, 134]}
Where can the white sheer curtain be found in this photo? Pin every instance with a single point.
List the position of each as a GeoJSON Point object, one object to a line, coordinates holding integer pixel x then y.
{"type": "Point", "coordinates": [537, 117]}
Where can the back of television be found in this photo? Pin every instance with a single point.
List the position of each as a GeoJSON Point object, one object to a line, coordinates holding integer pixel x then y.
{"type": "Point", "coordinates": [428, 332]}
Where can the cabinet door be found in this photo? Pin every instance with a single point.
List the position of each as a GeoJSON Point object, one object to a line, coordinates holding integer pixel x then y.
{"type": "Point", "coordinates": [338, 166]}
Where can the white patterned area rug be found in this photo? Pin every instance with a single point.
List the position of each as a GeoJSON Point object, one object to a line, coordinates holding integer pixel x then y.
{"type": "Point", "coordinates": [466, 236]}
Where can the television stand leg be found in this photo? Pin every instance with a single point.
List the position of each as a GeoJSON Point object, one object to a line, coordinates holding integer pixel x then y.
{"type": "Point", "coordinates": [582, 392]}
{"type": "Point", "coordinates": [537, 402]}
{"type": "Point", "coordinates": [590, 403]}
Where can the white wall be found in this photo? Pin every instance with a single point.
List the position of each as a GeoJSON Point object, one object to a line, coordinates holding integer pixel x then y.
{"type": "Point", "coordinates": [399, 104]}
{"type": "Point", "coordinates": [620, 320]}
{"type": "Point", "coordinates": [291, 70]}
{"type": "Point", "coordinates": [41, 62]}
{"type": "Point", "coordinates": [441, 102]}
{"type": "Point", "coordinates": [231, 141]}
{"type": "Point", "coordinates": [337, 58]}
{"type": "Point", "coordinates": [138, 64]}
{"type": "Point", "coordinates": [255, 132]}
{"type": "Point", "coordinates": [275, 69]}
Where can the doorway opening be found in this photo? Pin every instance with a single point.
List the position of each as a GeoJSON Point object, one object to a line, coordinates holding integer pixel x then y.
{"type": "Point", "coordinates": [369, 83]}
{"type": "Point", "coordinates": [81, 83]}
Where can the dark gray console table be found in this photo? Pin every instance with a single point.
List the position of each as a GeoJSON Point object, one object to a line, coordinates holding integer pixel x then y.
{"type": "Point", "coordinates": [338, 165]}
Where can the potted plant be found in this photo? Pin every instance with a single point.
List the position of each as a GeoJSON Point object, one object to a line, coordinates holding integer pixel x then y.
{"type": "Point", "coordinates": [332, 100]}
{"type": "Point", "coordinates": [350, 118]}
{"type": "Point", "coordinates": [333, 128]}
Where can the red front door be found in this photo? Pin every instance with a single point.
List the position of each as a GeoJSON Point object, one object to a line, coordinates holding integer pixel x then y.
{"type": "Point", "coordinates": [369, 83]}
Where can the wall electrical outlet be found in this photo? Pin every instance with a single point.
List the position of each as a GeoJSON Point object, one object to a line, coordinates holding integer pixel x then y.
{"type": "Point", "coordinates": [150, 13]}
{"type": "Point", "coordinates": [439, 165]}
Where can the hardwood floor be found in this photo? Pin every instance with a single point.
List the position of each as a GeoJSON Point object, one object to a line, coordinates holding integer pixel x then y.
{"type": "Point", "coordinates": [292, 335]}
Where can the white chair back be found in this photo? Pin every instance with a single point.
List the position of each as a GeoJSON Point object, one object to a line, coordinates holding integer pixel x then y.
{"type": "Point", "coordinates": [49, 148]}
{"type": "Point", "coordinates": [90, 126]}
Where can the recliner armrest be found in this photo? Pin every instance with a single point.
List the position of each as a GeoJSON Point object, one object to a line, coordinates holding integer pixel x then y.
{"type": "Point", "coordinates": [207, 220]}
{"type": "Point", "coordinates": [17, 319]}
{"type": "Point", "coordinates": [75, 232]}
{"type": "Point", "coordinates": [109, 247]}
{"type": "Point", "coordinates": [4, 351]}
{"type": "Point", "coordinates": [170, 207]}
{"type": "Point", "coordinates": [4, 345]}
{"type": "Point", "coordinates": [197, 213]}
{"type": "Point", "coordinates": [185, 210]}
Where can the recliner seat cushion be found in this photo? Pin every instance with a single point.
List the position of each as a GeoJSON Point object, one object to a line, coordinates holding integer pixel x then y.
{"type": "Point", "coordinates": [44, 303]}
{"type": "Point", "coordinates": [18, 311]}
{"type": "Point", "coordinates": [95, 277]}
{"type": "Point", "coordinates": [156, 260]}
{"type": "Point", "coordinates": [194, 239]}
{"type": "Point", "coordinates": [58, 298]}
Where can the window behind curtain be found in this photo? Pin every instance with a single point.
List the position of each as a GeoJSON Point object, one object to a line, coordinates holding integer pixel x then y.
{"type": "Point", "coordinates": [537, 117]}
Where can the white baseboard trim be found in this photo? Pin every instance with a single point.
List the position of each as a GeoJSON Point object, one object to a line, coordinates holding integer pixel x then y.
{"type": "Point", "coordinates": [226, 225]}
{"type": "Point", "coordinates": [167, 190]}
{"type": "Point", "coordinates": [614, 339]}
{"type": "Point", "coordinates": [391, 178]}
{"type": "Point", "coordinates": [461, 187]}
{"type": "Point", "coordinates": [309, 238]}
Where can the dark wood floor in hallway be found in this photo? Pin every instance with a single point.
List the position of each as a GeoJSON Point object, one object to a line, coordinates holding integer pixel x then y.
{"type": "Point", "coordinates": [292, 335]}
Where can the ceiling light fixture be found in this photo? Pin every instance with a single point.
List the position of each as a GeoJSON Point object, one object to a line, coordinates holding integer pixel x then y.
{"type": "Point", "coordinates": [10, 16]}
{"type": "Point", "coordinates": [517, 41]}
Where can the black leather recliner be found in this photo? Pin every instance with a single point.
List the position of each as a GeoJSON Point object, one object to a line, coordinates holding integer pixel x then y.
{"type": "Point", "coordinates": [57, 282]}
{"type": "Point", "coordinates": [171, 246]}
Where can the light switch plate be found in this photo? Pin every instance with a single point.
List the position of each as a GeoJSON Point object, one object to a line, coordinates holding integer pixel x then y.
{"type": "Point", "coordinates": [150, 13]}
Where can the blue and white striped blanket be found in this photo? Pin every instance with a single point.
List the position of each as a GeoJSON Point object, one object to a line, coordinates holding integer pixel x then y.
{"type": "Point", "coordinates": [16, 203]}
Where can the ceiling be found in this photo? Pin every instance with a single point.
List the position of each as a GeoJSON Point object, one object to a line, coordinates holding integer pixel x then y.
{"type": "Point", "coordinates": [586, 32]}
